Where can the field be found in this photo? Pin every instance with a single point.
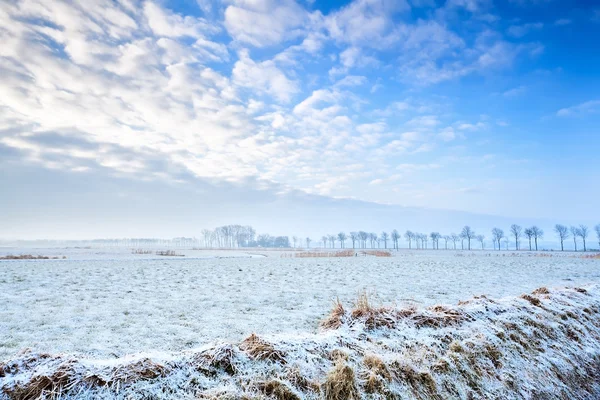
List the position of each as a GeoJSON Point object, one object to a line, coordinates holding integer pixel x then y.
{"type": "Point", "coordinates": [107, 304]}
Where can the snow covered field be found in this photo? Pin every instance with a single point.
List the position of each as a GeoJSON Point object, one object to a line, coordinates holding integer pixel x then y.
{"type": "Point", "coordinates": [108, 303]}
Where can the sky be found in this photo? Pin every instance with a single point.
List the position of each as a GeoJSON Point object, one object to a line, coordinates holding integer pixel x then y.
{"type": "Point", "coordinates": [160, 118]}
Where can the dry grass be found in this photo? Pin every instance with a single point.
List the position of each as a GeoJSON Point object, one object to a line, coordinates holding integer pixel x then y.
{"type": "Point", "coordinates": [45, 386]}
{"type": "Point", "coordinates": [30, 257]}
{"type": "Point", "coordinates": [260, 349]}
{"type": "Point", "coordinates": [422, 383]}
{"type": "Point", "coordinates": [592, 256]}
{"type": "Point", "coordinates": [340, 383]}
{"type": "Point", "coordinates": [533, 300]}
{"type": "Point", "coordinates": [277, 389]}
{"type": "Point", "coordinates": [373, 317]}
{"type": "Point", "coordinates": [295, 377]}
{"type": "Point", "coordinates": [169, 253]}
{"type": "Point", "coordinates": [220, 358]}
{"type": "Point", "coordinates": [335, 319]}
{"type": "Point", "coordinates": [376, 374]}
{"type": "Point", "coordinates": [438, 317]}
{"type": "Point", "coordinates": [315, 254]}
{"type": "Point", "coordinates": [377, 253]}
{"type": "Point", "coordinates": [542, 290]}
{"type": "Point", "coordinates": [143, 369]}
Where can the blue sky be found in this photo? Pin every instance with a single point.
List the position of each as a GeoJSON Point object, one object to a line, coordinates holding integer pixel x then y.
{"type": "Point", "coordinates": [470, 105]}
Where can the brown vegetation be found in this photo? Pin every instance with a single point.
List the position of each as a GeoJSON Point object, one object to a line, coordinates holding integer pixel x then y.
{"type": "Point", "coordinates": [340, 383]}
{"type": "Point", "coordinates": [260, 349]}
{"type": "Point", "coordinates": [315, 254]}
{"type": "Point", "coordinates": [30, 257]}
{"type": "Point", "coordinates": [335, 318]}
{"type": "Point", "coordinates": [277, 389]}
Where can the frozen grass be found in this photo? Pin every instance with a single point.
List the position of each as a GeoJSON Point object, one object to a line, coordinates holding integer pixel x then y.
{"type": "Point", "coordinates": [127, 303]}
{"type": "Point", "coordinates": [509, 348]}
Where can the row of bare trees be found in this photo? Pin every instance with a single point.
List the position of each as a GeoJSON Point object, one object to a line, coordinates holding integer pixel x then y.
{"type": "Point", "coordinates": [516, 233]}
{"type": "Point", "coordinates": [231, 236]}
{"type": "Point", "coordinates": [563, 233]}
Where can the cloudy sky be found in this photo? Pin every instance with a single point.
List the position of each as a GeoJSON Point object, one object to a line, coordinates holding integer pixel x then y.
{"type": "Point", "coordinates": [114, 113]}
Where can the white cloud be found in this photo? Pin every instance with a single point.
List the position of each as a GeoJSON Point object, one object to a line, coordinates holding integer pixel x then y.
{"type": "Point", "coordinates": [266, 22]}
{"type": "Point", "coordinates": [522, 30]}
{"type": "Point", "coordinates": [263, 77]}
{"type": "Point", "coordinates": [589, 107]}
{"type": "Point", "coordinates": [166, 23]}
{"type": "Point", "coordinates": [562, 22]}
{"type": "Point", "coordinates": [517, 91]}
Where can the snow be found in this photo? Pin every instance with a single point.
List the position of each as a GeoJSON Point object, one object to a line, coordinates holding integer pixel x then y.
{"type": "Point", "coordinates": [543, 345]}
{"type": "Point", "coordinates": [106, 303]}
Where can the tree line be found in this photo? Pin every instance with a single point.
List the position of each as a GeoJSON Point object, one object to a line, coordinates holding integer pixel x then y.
{"type": "Point", "coordinates": [465, 239]}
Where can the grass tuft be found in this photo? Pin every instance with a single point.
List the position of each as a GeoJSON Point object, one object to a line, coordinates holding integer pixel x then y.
{"type": "Point", "coordinates": [260, 349]}
{"type": "Point", "coordinates": [335, 319]}
{"type": "Point", "coordinates": [277, 389]}
{"type": "Point", "coordinates": [340, 383]}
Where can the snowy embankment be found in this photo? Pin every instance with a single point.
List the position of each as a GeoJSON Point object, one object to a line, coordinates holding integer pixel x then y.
{"type": "Point", "coordinates": [542, 345]}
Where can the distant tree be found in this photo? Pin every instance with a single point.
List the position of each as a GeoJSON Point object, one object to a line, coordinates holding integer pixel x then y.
{"type": "Point", "coordinates": [446, 238]}
{"type": "Point", "coordinates": [354, 237]}
{"type": "Point", "coordinates": [331, 240]}
{"type": "Point", "coordinates": [373, 239]}
{"type": "Point", "coordinates": [529, 234]}
{"type": "Point", "coordinates": [308, 240]}
{"type": "Point", "coordinates": [563, 234]}
{"type": "Point", "coordinates": [462, 241]}
{"type": "Point", "coordinates": [517, 232]}
{"type": "Point", "coordinates": [597, 229]}
{"type": "Point", "coordinates": [324, 240]}
{"type": "Point", "coordinates": [342, 239]}
{"type": "Point", "coordinates": [395, 236]}
{"type": "Point", "coordinates": [455, 238]}
{"type": "Point", "coordinates": [424, 240]}
{"type": "Point", "coordinates": [497, 235]}
{"type": "Point", "coordinates": [481, 240]}
{"type": "Point", "coordinates": [506, 242]}
{"type": "Point", "coordinates": [409, 236]}
{"type": "Point", "coordinates": [295, 240]}
{"type": "Point", "coordinates": [537, 234]}
{"type": "Point", "coordinates": [435, 239]}
{"type": "Point", "coordinates": [385, 237]}
{"type": "Point", "coordinates": [363, 237]}
{"type": "Point", "coordinates": [584, 232]}
{"type": "Point", "coordinates": [574, 233]}
{"type": "Point", "coordinates": [468, 234]}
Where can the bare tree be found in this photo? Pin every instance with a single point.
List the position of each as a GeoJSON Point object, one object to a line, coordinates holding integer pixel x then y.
{"type": "Point", "coordinates": [584, 232]}
{"type": "Point", "coordinates": [563, 234]}
{"type": "Point", "coordinates": [435, 239]}
{"type": "Point", "coordinates": [506, 242]}
{"type": "Point", "coordinates": [308, 240]}
{"type": "Point", "coordinates": [574, 233]}
{"type": "Point", "coordinates": [342, 239]}
{"type": "Point", "coordinates": [295, 240]}
{"type": "Point", "coordinates": [455, 238]}
{"type": "Point", "coordinates": [409, 236]}
{"type": "Point", "coordinates": [481, 240]}
{"type": "Point", "coordinates": [354, 237]}
{"type": "Point", "coordinates": [597, 229]}
{"type": "Point", "coordinates": [537, 234]}
{"type": "Point", "coordinates": [384, 238]}
{"type": "Point", "coordinates": [324, 240]}
{"type": "Point", "coordinates": [446, 238]}
{"type": "Point", "coordinates": [363, 237]}
{"type": "Point", "coordinates": [529, 234]}
{"type": "Point", "coordinates": [331, 240]}
{"type": "Point", "coordinates": [497, 235]}
{"type": "Point", "coordinates": [373, 239]}
{"type": "Point", "coordinates": [395, 236]}
{"type": "Point", "coordinates": [517, 232]}
{"type": "Point", "coordinates": [468, 234]}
